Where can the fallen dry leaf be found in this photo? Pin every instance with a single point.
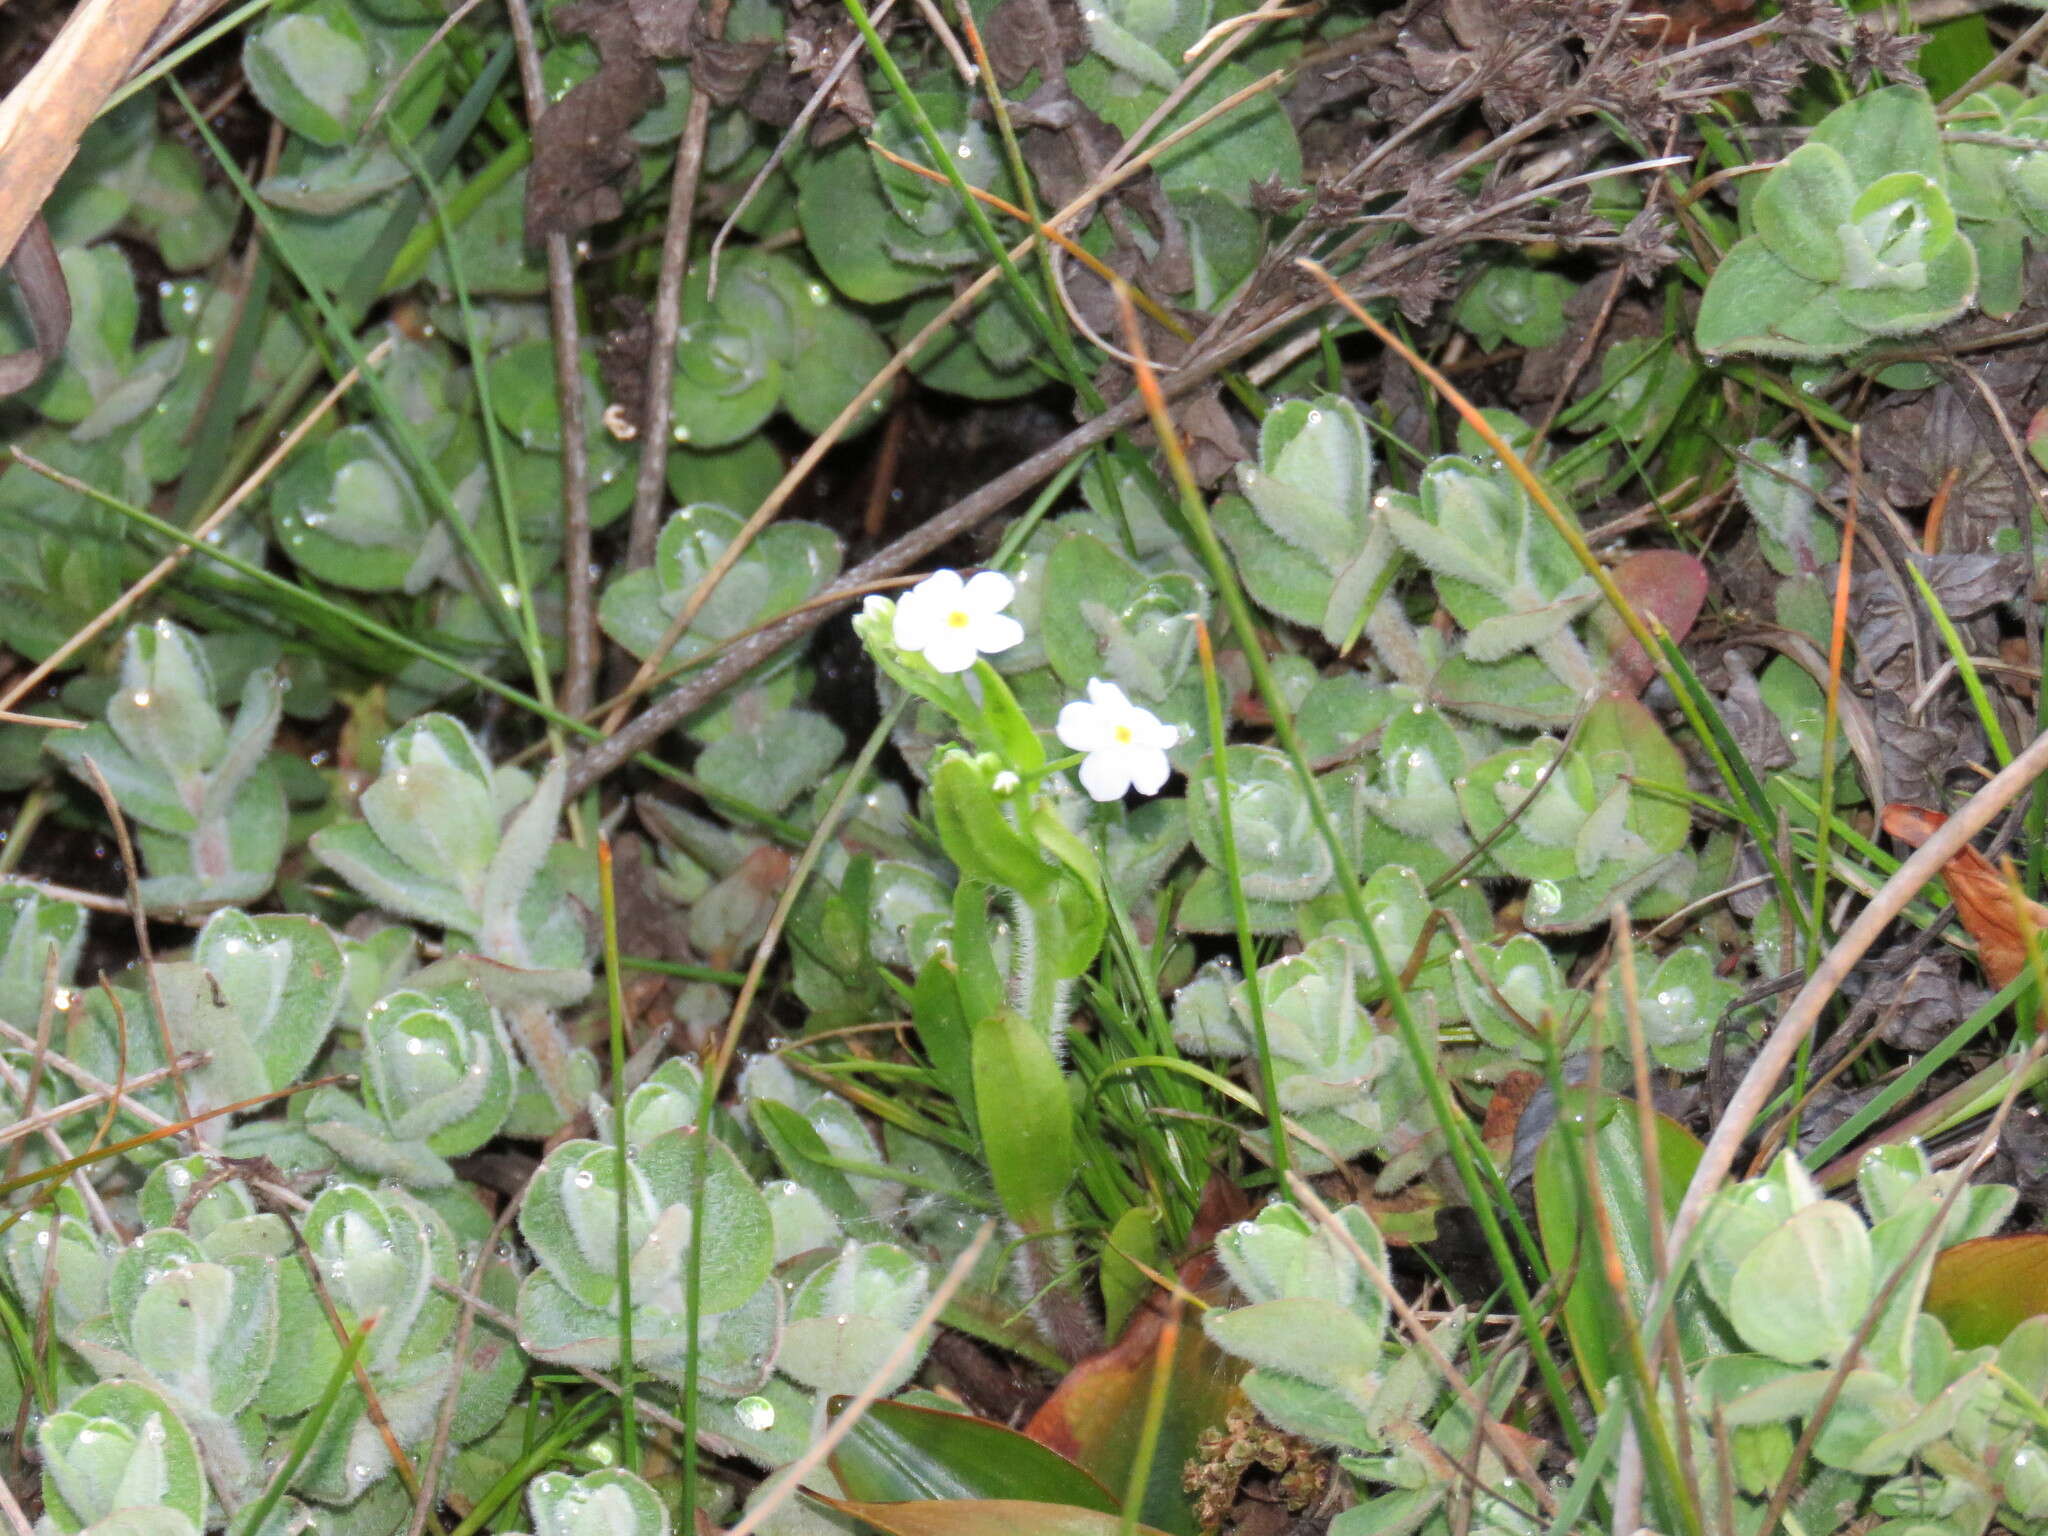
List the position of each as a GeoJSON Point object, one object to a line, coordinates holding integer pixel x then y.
{"type": "Point", "coordinates": [1983, 900]}
{"type": "Point", "coordinates": [1504, 1113]}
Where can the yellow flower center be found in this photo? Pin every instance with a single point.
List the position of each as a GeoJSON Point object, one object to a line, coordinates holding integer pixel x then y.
{"type": "Point", "coordinates": [958, 619]}
{"type": "Point", "coordinates": [1123, 735]}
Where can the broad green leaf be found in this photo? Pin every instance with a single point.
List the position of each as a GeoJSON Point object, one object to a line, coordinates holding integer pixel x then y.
{"type": "Point", "coordinates": [1621, 1188]}
{"type": "Point", "coordinates": [900, 1452]}
{"type": "Point", "coordinates": [1801, 208]}
{"type": "Point", "coordinates": [1027, 1129]}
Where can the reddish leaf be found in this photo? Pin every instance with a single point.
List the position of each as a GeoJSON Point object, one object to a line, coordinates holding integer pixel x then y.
{"type": "Point", "coordinates": [1983, 900]}
{"type": "Point", "coordinates": [1504, 1113]}
{"type": "Point", "coordinates": [1090, 1419]}
{"type": "Point", "coordinates": [1983, 1289]}
{"type": "Point", "coordinates": [1666, 585]}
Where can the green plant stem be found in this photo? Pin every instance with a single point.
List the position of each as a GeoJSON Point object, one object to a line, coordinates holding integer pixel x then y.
{"type": "Point", "coordinates": [684, 972]}
{"type": "Point", "coordinates": [622, 1259]}
{"type": "Point", "coordinates": [1966, 669]}
{"type": "Point", "coordinates": [252, 1515]}
{"type": "Point", "coordinates": [1156, 1393]}
{"type": "Point", "coordinates": [1241, 917]}
{"type": "Point", "coordinates": [566, 1431]}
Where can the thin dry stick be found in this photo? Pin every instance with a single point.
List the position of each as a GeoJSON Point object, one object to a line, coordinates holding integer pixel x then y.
{"type": "Point", "coordinates": [90, 1197]}
{"type": "Point", "coordinates": [826, 601]}
{"type": "Point", "coordinates": [579, 623]}
{"type": "Point", "coordinates": [115, 1094]}
{"type": "Point", "coordinates": [1511, 1455]}
{"type": "Point", "coordinates": [390, 92]}
{"type": "Point", "coordinates": [15, 1130]}
{"type": "Point", "coordinates": [92, 901]}
{"type": "Point", "coordinates": [891, 1366]}
{"type": "Point", "coordinates": [156, 992]}
{"type": "Point", "coordinates": [28, 683]}
{"type": "Point", "coordinates": [11, 1511]}
{"type": "Point", "coordinates": [659, 411]}
{"type": "Point", "coordinates": [46, 1012]}
{"type": "Point", "coordinates": [937, 21]}
{"type": "Point", "coordinates": [43, 117]}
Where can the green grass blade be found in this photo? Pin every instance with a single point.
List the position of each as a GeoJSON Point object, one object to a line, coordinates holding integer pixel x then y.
{"type": "Point", "coordinates": [622, 1258]}
{"type": "Point", "coordinates": [1966, 669]}
{"type": "Point", "coordinates": [251, 1516]}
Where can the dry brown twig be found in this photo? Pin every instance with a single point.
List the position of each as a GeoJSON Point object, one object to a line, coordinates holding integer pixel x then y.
{"type": "Point", "coordinates": [579, 623]}
{"type": "Point", "coordinates": [659, 411]}
{"type": "Point", "coordinates": [44, 117]}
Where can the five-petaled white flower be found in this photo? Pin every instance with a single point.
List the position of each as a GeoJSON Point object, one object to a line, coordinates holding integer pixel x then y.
{"type": "Point", "coordinates": [1124, 746]}
{"type": "Point", "coordinates": [953, 621]}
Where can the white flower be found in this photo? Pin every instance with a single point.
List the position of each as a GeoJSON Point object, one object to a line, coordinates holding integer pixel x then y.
{"type": "Point", "coordinates": [1125, 747]}
{"type": "Point", "coordinates": [953, 621]}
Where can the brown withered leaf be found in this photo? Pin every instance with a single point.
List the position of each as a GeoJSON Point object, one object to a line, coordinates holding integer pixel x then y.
{"type": "Point", "coordinates": [1915, 444]}
{"type": "Point", "coordinates": [584, 159]}
{"type": "Point", "coordinates": [1919, 998]}
{"type": "Point", "coordinates": [1989, 910]}
{"type": "Point", "coordinates": [1750, 721]}
{"type": "Point", "coordinates": [1504, 1113]}
{"type": "Point", "coordinates": [667, 27]}
{"type": "Point", "coordinates": [723, 70]}
{"type": "Point", "coordinates": [1023, 35]}
{"type": "Point", "coordinates": [47, 299]}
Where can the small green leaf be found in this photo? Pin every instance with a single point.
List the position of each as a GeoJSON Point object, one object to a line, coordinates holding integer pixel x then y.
{"type": "Point", "coordinates": [1823, 1257]}
{"type": "Point", "coordinates": [1027, 1120]}
{"type": "Point", "coordinates": [978, 836]}
{"type": "Point", "coordinates": [1801, 208]}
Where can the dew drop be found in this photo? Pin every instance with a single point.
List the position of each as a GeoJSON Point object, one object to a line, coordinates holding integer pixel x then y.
{"type": "Point", "coordinates": [756, 1413]}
